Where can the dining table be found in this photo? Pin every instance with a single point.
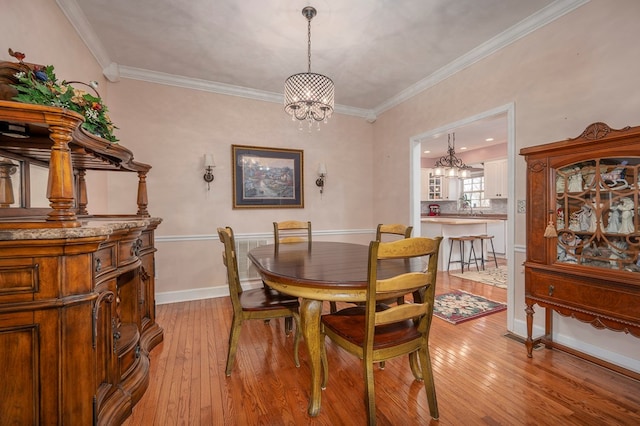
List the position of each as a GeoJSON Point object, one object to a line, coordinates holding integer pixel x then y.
{"type": "Point", "coordinates": [321, 271]}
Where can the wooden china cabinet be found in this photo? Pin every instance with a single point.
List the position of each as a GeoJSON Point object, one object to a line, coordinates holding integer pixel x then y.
{"type": "Point", "coordinates": [77, 304]}
{"type": "Point", "coordinates": [583, 232]}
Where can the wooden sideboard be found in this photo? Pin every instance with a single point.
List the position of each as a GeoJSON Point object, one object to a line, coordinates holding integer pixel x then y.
{"type": "Point", "coordinates": [77, 291]}
{"type": "Point", "coordinates": [583, 233]}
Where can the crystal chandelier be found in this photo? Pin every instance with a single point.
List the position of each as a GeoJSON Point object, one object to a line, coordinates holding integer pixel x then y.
{"type": "Point", "coordinates": [449, 165]}
{"type": "Point", "coordinates": [309, 96]}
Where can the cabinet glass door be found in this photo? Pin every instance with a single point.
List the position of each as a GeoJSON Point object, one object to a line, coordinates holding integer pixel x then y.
{"type": "Point", "coordinates": [435, 187]}
{"type": "Point", "coordinates": [597, 213]}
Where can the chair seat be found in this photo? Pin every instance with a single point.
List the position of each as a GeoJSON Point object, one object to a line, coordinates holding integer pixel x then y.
{"type": "Point", "coordinates": [260, 299]}
{"type": "Point", "coordinates": [350, 324]}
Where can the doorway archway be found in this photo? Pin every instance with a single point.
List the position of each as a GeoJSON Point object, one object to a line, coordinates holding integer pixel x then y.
{"type": "Point", "coordinates": [415, 186]}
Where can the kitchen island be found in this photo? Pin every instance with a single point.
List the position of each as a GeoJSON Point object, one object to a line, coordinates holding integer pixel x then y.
{"type": "Point", "coordinates": [456, 226]}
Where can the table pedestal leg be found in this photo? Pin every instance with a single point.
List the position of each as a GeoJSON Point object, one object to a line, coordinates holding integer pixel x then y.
{"type": "Point", "coordinates": [310, 311]}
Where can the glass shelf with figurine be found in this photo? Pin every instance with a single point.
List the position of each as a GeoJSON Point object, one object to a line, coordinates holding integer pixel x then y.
{"type": "Point", "coordinates": [597, 215]}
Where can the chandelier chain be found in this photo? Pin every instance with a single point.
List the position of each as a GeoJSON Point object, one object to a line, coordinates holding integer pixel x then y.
{"type": "Point", "coordinates": [309, 44]}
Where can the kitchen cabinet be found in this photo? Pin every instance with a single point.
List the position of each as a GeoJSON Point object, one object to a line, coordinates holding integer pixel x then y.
{"type": "Point", "coordinates": [452, 188]}
{"type": "Point", "coordinates": [432, 187]}
{"type": "Point", "coordinates": [496, 179]}
{"type": "Point", "coordinates": [583, 232]}
{"type": "Point", "coordinates": [437, 188]}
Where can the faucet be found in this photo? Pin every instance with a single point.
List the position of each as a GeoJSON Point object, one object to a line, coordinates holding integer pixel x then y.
{"type": "Point", "coordinates": [464, 203]}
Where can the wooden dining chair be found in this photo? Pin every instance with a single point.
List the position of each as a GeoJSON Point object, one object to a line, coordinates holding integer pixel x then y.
{"type": "Point", "coordinates": [384, 332]}
{"type": "Point", "coordinates": [393, 229]}
{"type": "Point", "coordinates": [260, 303]}
{"type": "Point", "coordinates": [291, 231]}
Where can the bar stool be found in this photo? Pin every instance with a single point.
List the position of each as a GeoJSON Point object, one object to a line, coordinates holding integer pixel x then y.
{"type": "Point", "coordinates": [482, 239]}
{"type": "Point", "coordinates": [472, 252]}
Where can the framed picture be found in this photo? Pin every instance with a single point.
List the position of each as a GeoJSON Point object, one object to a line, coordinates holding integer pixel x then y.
{"type": "Point", "coordinates": [267, 177]}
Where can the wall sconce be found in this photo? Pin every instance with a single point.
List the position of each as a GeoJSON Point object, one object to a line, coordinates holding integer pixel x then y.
{"type": "Point", "coordinates": [208, 170]}
{"type": "Point", "coordinates": [322, 172]}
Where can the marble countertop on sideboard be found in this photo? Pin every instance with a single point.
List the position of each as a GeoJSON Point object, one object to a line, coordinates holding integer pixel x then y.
{"type": "Point", "coordinates": [93, 227]}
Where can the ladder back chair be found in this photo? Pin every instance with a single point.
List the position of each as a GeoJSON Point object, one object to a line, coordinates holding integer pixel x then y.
{"type": "Point", "coordinates": [291, 231]}
{"type": "Point", "coordinates": [260, 303]}
{"type": "Point", "coordinates": [382, 333]}
{"type": "Point", "coordinates": [393, 229]}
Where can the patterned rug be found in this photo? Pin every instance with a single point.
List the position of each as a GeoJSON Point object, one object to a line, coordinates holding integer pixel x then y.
{"type": "Point", "coordinates": [459, 306]}
{"type": "Point", "coordinates": [490, 276]}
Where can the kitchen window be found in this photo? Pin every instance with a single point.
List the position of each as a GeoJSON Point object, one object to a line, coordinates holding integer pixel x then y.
{"type": "Point", "coordinates": [473, 192]}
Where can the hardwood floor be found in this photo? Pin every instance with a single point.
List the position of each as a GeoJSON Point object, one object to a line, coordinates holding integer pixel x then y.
{"type": "Point", "coordinates": [482, 377]}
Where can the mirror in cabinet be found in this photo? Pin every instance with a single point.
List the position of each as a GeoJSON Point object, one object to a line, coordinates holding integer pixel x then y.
{"type": "Point", "coordinates": [9, 186]}
{"type": "Point", "coordinates": [596, 213]}
{"type": "Point", "coordinates": [23, 185]}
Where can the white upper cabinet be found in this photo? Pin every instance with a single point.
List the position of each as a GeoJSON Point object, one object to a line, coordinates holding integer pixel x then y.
{"type": "Point", "coordinates": [431, 187]}
{"type": "Point", "coordinates": [495, 179]}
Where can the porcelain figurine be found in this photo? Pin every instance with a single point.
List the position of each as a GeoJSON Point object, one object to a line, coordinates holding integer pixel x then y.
{"type": "Point", "coordinates": [576, 181]}
{"type": "Point", "coordinates": [626, 216]}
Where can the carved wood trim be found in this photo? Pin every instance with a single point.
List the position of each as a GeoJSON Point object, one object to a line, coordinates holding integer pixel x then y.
{"type": "Point", "coordinates": [598, 130]}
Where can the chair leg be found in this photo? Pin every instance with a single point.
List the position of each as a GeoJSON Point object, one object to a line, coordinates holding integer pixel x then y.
{"type": "Point", "coordinates": [429, 384]}
{"type": "Point", "coordinates": [472, 250]}
{"type": "Point", "coordinates": [332, 307]}
{"type": "Point", "coordinates": [234, 336]}
{"type": "Point", "coordinates": [369, 396]}
{"type": "Point", "coordinates": [493, 250]}
{"type": "Point", "coordinates": [415, 365]}
{"type": "Point", "coordinates": [288, 325]}
{"type": "Point", "coordinates": [461, 244]}
{"type": "Point", "coordinates": [450, 250]}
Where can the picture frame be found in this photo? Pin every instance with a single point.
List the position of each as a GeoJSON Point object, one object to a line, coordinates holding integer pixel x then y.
{"type": "Point", "coordinates": [267, 177]}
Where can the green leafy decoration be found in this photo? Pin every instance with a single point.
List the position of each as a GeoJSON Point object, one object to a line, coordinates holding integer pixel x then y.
{"type": "Point", "coordinates": [41, 87]}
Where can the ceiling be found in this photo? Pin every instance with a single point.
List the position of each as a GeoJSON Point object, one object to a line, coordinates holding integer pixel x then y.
{"type": "Point", "coordinates": [378, 52]}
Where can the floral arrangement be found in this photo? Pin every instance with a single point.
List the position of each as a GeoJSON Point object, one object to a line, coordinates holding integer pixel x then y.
{"type": "Point", "coordinates": [40, 86]}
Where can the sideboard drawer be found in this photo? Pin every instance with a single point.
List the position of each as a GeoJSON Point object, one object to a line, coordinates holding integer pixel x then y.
{"type": "Point", "coordinates": [147, 240]}
{"type": "Point", "coordinates": [580, 293]}
{"type": "Point", "coordinates": [104, 260]}
{"type": "Point", "coordinates": [128, 251]}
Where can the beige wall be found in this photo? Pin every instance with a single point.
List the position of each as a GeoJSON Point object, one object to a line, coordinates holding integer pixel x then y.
{"type": "Point", "coordinates": [172, 128]}
{"type": "Point", "coordinates": [577, 70]}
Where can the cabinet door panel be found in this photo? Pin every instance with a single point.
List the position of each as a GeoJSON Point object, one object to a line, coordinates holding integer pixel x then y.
{"type": "Point", "coordinates": [495, 179]}
{"type": "Point", "coordinates": [19, 397]}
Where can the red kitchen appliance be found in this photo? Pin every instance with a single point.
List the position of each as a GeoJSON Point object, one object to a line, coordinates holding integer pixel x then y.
{"type": "Point", "coordinates": [434, 209]}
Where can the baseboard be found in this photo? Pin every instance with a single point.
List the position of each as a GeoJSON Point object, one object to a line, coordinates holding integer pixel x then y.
{"type": "Point", "coordinates": [163, 298]}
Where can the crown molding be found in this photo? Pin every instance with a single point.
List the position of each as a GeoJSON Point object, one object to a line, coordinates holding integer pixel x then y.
{"type": "Point", "coordinates": [222, 88]}
{"type": "Point", "coordinates": [528, 25]}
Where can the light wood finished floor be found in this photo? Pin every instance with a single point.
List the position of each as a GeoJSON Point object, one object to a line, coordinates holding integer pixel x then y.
{"type": "Point", "coordinates": [482, 377]}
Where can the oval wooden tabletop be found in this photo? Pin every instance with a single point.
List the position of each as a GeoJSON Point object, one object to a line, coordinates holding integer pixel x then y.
{"type": "Point", "coordinates": [323, 264]}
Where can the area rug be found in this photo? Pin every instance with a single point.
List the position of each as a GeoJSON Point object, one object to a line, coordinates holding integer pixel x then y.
{"type": "Point", "coordinates": [459, 306]}
{"type": "Point", "coordinates": [491, 276]}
